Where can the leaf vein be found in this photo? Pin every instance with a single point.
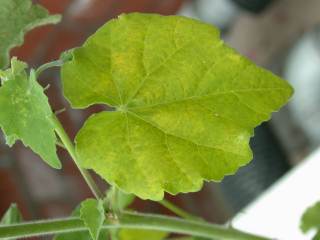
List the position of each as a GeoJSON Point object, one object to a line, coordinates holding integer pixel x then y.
{"type": "Point", "coordinates": [207, 96]}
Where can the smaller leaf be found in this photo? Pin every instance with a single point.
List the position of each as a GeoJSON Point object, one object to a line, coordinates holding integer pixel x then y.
{"type": "Point", "coordinates": [93, 216]}
{"type": "Point", "coordinates": [311, 219]}
{"type": "Point", "coordinates": [118, 199]}
{"type": "Point", "coordinates": [80, 235]}
{"type": "Point", "coordinates": [139, 234]}
{"type": "Point", "coordinates": [12, 215]}
{"type": "Point", "coordinates": [188, 238]}
{"type": "Point", "coordinates": [26, 114]}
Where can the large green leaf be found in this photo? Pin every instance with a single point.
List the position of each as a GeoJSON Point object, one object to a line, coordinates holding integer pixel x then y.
{"type": "Point", "coordinates": [311, 220]}
{"type": "Point", "coordinates": [185, 103]}
{"type": "Point", "coordinates": [16, 18]}
{"type": "Point", "coordinates": [26, 114]}
{"type": "Point", "coordinates": [93, 215]}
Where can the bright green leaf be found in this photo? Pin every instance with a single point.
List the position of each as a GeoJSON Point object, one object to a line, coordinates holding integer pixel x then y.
{"type": "Point", "coordinates": [16, 18]}
{"type": "Point", "coordinates": [93, 216]}
{"type": "Point", "coordinates": [80, 235]}
{"type": "Point", "coordinates": [12, 215]}
{"type": "Point", "coordinates": [185, 103]}
{"type": "Point", "coordinates": [26, 114]}
{"type": "Point", "coordinates": [187, 238]}
{"type": "Point", "coordinates": [139, 234]}
{"type": "Point", "coordinates": [311, 219]}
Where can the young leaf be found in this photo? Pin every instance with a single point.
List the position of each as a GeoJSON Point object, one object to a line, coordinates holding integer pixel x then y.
{"type": "Point", "coordinates": [80, 235]}
{"type": "Point", "coordinates": [188, 238]}
{"type": "Point", "coordinates": [185, 103]}
{"type": "Point", "coordinates": [139, 234]}
{"type": "Point", "coordinates": [119, 199]}
{"type": "Point", "coordinates": [25, 113]}
{"type": "Point", "coordinates": [16, 18]}
{"type": "Point", "coordinates": [12, 215]}
{"type": "Point", "coordinates": [93, 216]}
{"type": "Point", "coordinates": [311, 219]}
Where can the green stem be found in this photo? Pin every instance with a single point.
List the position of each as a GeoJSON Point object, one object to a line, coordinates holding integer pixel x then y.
{"type": "Point", "coordinates": [175, 209]}
{"type": "Point", "coordinates": [128, 220]}
{"type": "Point", "coordinates": [57, 63]}
{"type": "Point", "coordinates": [71, 150]}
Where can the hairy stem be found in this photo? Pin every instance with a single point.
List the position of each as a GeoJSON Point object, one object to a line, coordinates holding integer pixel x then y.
{"type": "Point", "coordinates": [175, 209]}
{"type": "Point", "coordinates": [70, 148]}
{"type": "Point", "coordinates": [128, 220]}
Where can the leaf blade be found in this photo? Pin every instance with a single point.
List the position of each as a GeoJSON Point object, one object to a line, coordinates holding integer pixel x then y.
{"type": "Point", "coordinates": [138, 234]}
{"type": "Point", "coordinates": [92, 214]}
{"type": "Point", "coordinates": [26, 114]}
{"type": "Point", "coordinates": [12, 215]}
{"type": "Point", "coordinates": [186, 104]}
{"type": "Point", "coordinates": [80, 235]}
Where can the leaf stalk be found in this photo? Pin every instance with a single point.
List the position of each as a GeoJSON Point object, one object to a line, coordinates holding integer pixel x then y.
{"type": "Point", "coordinates": [71, 150]}
{"type": "Point", "coordinates": [56, 63]}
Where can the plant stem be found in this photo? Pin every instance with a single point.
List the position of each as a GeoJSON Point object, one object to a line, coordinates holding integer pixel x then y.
{"type": "Point", "coordinates": [175, 209]}
{"type": "Point", "coordinates": [128, 220]}
{"type": "Point", "coordinates": [57, 63]}
{"type": "Point", "coordinates": [70, 148]}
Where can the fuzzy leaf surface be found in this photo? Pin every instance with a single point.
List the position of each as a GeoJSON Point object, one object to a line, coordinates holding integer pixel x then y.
{"type": "Point", "coordinates": [185, 103]}
{"type": "Point", "coordinates": [16, 18]}
{"type": "Point", "coordinates": [26, 114]}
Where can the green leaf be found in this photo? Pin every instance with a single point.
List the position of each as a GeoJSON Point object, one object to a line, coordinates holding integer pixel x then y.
{"type": "Point", "coordinates": [12, 215]}
{"type": "Point", "coordinates": [80, 235]}
{"type": "Point", "coordinates": [16, 18]}
{"type": "Point", "coordinates": [138, 234]}
{"type": "Point", "coordinates": [118, 199]}
{"type": "Point", "coordinates": [185, 103]}
{"type": "Point", "coordinates": [188, 238]}
{"type": "Point", "coordinates": [93, 216]}
{"type": "Point", "coordinates": [26, 114]}
{"type": "Point", "coordinates": [311, 219]}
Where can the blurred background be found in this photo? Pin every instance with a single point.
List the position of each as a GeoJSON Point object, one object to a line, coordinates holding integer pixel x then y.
{"type": "Point", "coordinates": [280, 35]}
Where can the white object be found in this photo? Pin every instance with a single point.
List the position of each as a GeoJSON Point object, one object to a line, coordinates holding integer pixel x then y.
{"type": "Point", "coordinates": [218, 12]}
{"type": "Point", "coordinates": [303, 72]}
{"type": "Point", "coordinates": [277, 213]}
